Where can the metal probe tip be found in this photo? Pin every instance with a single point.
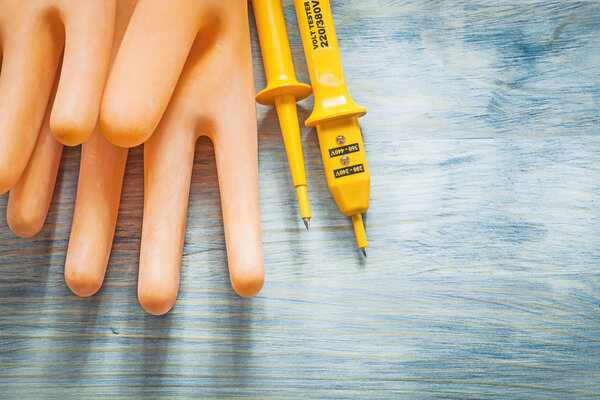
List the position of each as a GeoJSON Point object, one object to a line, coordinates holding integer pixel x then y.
{"type": "Point", "coordinates": [306, 223]}
{"type": "Point", "coordinates": [364, 251]}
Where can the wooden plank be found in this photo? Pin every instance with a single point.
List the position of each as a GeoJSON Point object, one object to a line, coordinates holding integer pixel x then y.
{"type": "Point", "coordinates": [482, 280]}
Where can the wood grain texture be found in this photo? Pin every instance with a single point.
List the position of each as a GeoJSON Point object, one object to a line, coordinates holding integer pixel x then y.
{"type": "Point", "coordinates": [483, 276]}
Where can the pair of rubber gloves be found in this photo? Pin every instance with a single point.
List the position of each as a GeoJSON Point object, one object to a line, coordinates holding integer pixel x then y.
{"type": "Point", "coordinates": [156, 72]}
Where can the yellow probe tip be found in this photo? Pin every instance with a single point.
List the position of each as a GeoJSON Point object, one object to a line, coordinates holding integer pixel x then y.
{"type": "Point", "coordinates": [359, 231]}
{"type": "Point", "coordinates": [364, 251]}
{"type": "Point", "coordinates": [303, 202]}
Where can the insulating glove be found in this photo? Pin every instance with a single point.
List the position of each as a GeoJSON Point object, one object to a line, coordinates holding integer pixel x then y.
{"type": "Point", "coordinates": [182, 70]}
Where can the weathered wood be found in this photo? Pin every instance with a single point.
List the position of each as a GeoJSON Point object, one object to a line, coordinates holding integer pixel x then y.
{"type": "Point", "coordinates": [483, 276]}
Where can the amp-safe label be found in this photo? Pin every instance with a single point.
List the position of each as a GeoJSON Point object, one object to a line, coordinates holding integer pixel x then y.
{"type": "Point", "coordinates": [316, 24]}
{"type": "Point", "coordinates": [354, 169]}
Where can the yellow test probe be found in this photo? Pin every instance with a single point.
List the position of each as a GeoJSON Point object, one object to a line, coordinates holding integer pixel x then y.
{"type": "Point", "coordinates": [283, 90]}
{"type": "Point", "coordinates": [335, 115]}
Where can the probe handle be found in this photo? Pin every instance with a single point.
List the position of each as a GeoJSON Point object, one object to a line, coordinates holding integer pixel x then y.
{"type": "Point", "coordinates": [335, 115]}
{"type": "Point", "coordinates": [324, 63]}
{"type": "Point", "coordinates": [276, 54]}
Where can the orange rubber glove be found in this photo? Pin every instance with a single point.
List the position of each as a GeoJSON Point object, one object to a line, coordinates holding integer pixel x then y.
{"type": "Point", "coordinates": [212, 93]}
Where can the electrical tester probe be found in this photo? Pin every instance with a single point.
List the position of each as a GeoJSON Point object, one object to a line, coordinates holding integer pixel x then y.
{"type": "Point", "coordinates": [283, 90]}
{"type": "Point", "coordinates": [335, 115]}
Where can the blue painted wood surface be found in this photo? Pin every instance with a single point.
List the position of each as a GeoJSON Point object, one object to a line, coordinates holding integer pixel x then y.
{"type": "Point", "coordinates": [483, 276]}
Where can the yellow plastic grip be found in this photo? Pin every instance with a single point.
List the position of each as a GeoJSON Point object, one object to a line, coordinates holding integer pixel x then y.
{"type": "Point", "coordinates": [335, 114]}
{"type": "Point", "coordinates": [324, 63]}
{"type": "Point", "coordinates": [283, 90]}
{"type": "Point", "coordinates": [276, 54]}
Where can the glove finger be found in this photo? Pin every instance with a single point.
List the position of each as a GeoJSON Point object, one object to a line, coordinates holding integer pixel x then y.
{"type": "Point", "coordinates": [89, 36]}
{"type": "Point", "coordinates": [95, 217]}
{"type": "Point", "coordinates": [168, 162]}
{"type": "Point", "coordinates": [30, 198]}
{"type": "Point", "coordinates": [98, 197]}
{"type": "Point", "coordinates": [235, 141]}
{"type": "Point", "coordinates": [147, 68]}
{"type": "Point", "coordinates": [30, 58]}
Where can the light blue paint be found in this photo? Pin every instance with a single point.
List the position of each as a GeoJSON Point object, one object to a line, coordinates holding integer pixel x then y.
{"type": "Point", "coordinates": [483, 281]}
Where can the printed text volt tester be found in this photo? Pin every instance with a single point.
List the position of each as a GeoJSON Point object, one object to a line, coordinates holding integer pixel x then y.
{"type": "Point", "coordinates": [335, 115]}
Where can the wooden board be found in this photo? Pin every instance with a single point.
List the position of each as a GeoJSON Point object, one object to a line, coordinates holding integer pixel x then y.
{"type": "Point", "coordinates": [483, 278]}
